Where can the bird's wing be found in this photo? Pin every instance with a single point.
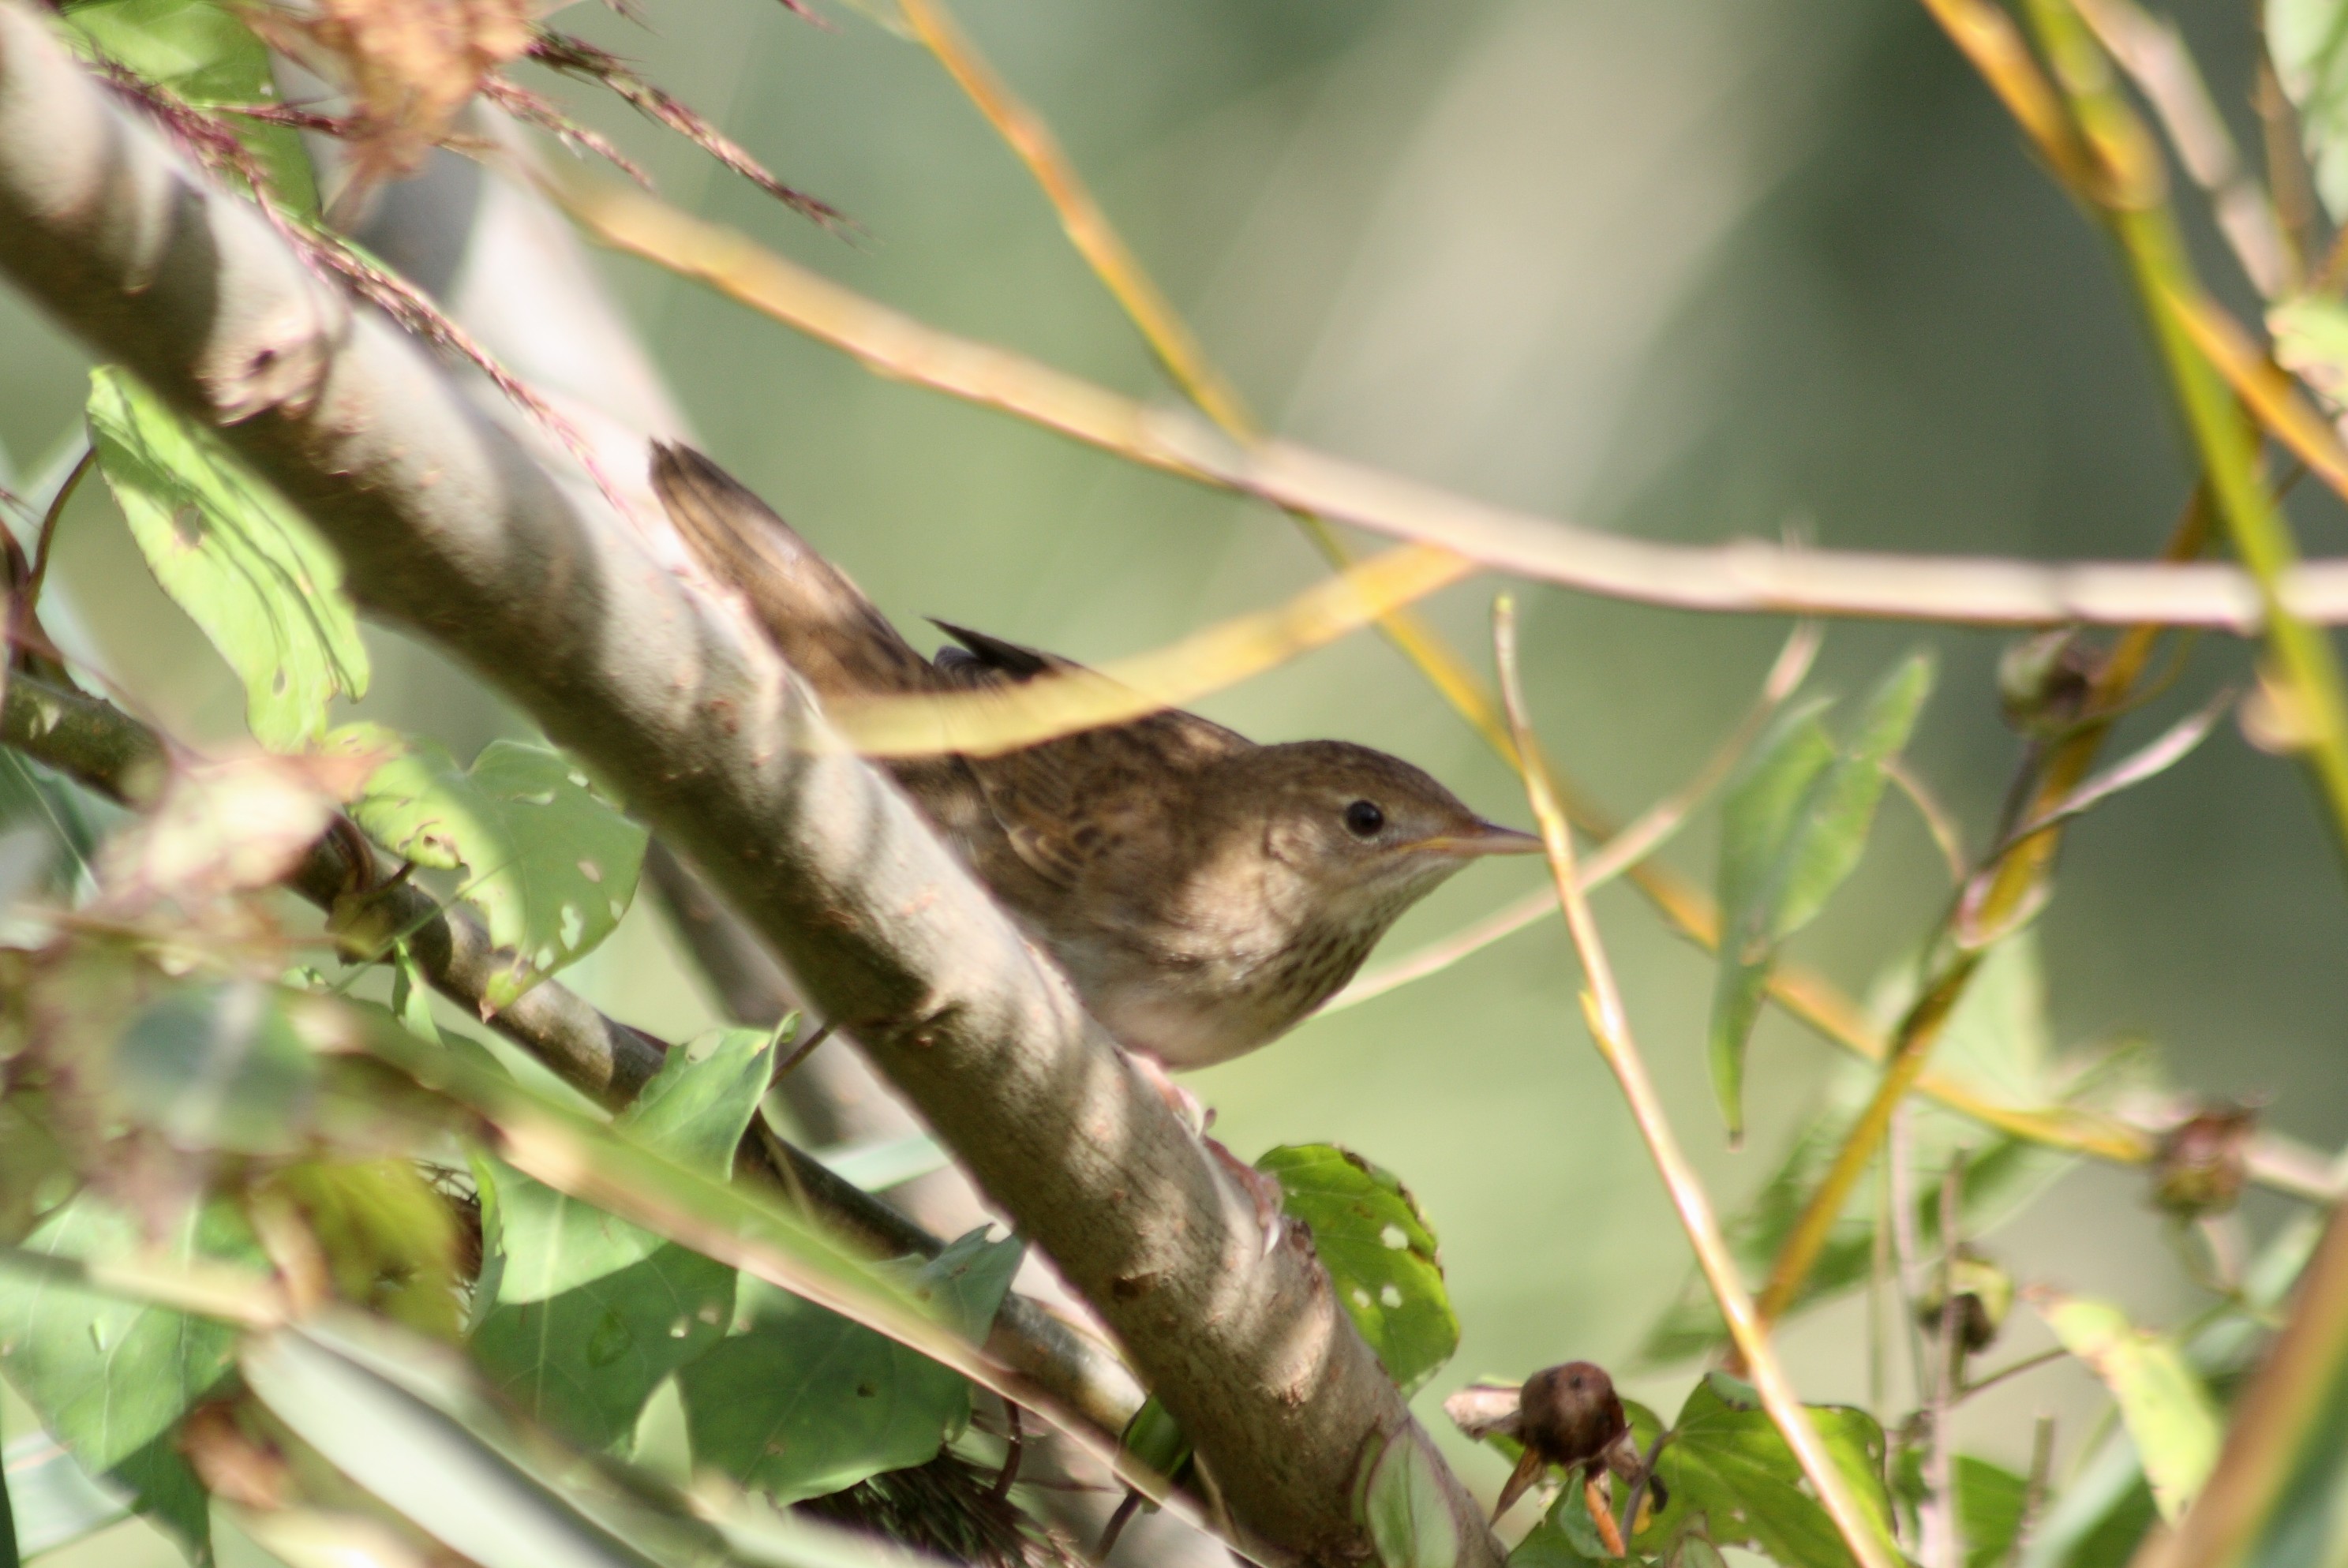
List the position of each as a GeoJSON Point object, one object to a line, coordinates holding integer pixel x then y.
{"type": "Point", "coordinates": [1067, 807]}
{"type": "Point", "coordinates": [827, 629]}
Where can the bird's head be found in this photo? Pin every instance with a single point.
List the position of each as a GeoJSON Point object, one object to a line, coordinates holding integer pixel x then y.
{"type": "Point", "coordinates": [1358, 835]}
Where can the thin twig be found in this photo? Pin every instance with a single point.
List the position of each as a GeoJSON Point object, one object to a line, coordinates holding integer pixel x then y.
{"type": "Point", "coordinates": [2156, 59]}
{"type": "Point", "coordinates": [1610, 1028]}
{"type": "Point", "coordinates": [1946, 837]}
{"type": "Point", "coordinates": [2202, 355]}
{"type": "Point", "coordinates": [576, 57]}
{"type": "Point", "coordinates": [1747, 576]}
{"type": "Point", "coordinates": [1907, 1247]}
{"type": "Point", "coordinates": [2012, 881]}
{"type": "Point", "coordinates": [1939, 1544]}
{"type": "Point", "coordinates": [48, 534]}
{"type": "Point", "coordinates": [2027, 1364]}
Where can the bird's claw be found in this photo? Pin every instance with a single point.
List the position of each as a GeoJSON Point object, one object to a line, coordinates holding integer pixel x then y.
{"type": "Point", "coordinates": [1261, 1190]}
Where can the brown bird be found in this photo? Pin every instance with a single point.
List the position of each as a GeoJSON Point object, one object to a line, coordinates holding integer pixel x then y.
{"type": "Point", "coordinates": [1204, 893]}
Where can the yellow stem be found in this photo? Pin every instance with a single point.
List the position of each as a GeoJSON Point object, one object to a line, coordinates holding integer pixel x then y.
{"type": "Point", "coordinates": [1610, 1028]}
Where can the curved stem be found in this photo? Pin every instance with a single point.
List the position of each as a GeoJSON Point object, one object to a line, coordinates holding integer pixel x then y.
{"type": "Point", "coordinates": [1610, 1029]}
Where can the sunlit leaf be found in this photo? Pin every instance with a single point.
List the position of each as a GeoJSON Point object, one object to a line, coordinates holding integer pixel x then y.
{"type": "Point", "coordinates": [2309, 41]}
{"type": "Point", "coordinates": [967, 1282]}
{"type": "Point", "coordinates": [1731, 1476]}
{"type": "Point", "coordinates": [592, 1313]}
{"type": "Point", "coordinates": [1997, 1042]}
{"type": "Point", "coordinates": [1406, 1508]}
{"type": "Point", "coordinates": [387, 1236]}
{"type": "Point", "coordinates": [1990, 1501]}
{"type": "Point", "coordinates": [2310, 341]}
{"type": "Point", "coordinates": [803, 1402]}
{"type": "Point", "coordinates": [1380, 1253]}
{"type": "Point", "coordinates": [248, 568]}
{"type": "Point", "coordinates": [199, 50]}
{"type": "Point", "coordinates": [551, 864]}
{"type": "Point", "coordinates": [1555, 1544]}
{"type": "Point", "coordinates": [2163, 1403]}
{"type": "Point", "coordinates": [109, 1377]}
{"type": "Point", "coordinates": [1792, 828]}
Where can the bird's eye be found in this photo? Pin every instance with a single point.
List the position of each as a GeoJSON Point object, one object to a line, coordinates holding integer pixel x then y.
{"type": "Point", "coordinates": [1363, 819]}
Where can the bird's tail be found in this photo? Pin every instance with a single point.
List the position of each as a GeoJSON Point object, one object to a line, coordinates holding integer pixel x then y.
{"type": "Point", "coordinates": [836, 639]}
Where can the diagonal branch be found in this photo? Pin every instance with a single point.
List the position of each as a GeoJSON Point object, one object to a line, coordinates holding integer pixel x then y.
{"type": "Point", "coordinates": [105, 749]}
{"type": "Point", "coordinates": [1744, 577]}
{"type": "Point", "coordinates": [449, 529]}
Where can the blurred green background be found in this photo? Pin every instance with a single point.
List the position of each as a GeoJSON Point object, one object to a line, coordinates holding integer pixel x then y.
{"type": "Point", "coordinates": [1685, 268]}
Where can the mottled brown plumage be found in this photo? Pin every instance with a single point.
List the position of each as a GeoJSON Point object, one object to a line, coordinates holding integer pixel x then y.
{"type": "Point", "coordinates": [1204, 893]}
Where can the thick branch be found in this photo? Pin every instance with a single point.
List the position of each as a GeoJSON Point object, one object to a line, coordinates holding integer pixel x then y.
{"type": "Point", "coordinates": [449, 528]}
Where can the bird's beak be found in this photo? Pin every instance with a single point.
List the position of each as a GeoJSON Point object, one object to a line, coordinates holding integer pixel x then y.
{"type": "Point", "coordinates": [1484, 839]}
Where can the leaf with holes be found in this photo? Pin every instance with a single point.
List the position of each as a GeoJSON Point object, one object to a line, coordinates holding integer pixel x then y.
{"type": "Point", "coordinates": [1792, 828]}
{"type": "Point", "coordinates": [248, 568]}
{"type": "Point", "coordinates": [111, 1378]}
{"type": "Point", "coordinates": [2163, 1402]}
{"type": "Point", "coordinates": [1380, 1253]}
{"type": "Point", "coordinates": [590, 1312]}
{"type": "Point", "coordinates": [1733, 1480]}
{"type": "Point", "coordinates": [202, 52]}
{"type": "Point", "coordinates": [551, 864]}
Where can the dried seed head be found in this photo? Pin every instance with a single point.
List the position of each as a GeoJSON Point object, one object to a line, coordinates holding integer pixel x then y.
{"type": "Point", "coordinates": [2203, 1161]}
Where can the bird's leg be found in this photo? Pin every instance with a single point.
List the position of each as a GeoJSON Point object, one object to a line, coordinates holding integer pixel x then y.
{"type": "Point", "coordinates": [1262, 1190]}
{"type": "Point", "coordinates": [1183, 1103]}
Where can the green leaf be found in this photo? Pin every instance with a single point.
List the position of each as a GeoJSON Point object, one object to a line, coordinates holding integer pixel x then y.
{"type": "Point", "coordinates": [2309, 41]}
{"type": "Point", "coordinates": [248, 568]}
{"type": "Point", "coordinates": [1406, 1508]}
{"type": "Point", "coordinates": [1552, 1543]}
{"type": "Point", "coordinates": [1990, 1501]}
{"type": "Point", "coordinates": [53, 1499]}
{"type": "Point", "coordinates": [111, 1378]}
{"type": "Point", "coordinates": [1380, 1253]}
{"type": "Point", "coordinates": [967, 1283]}
{"type": "Point", "coordinates": [31, 796]}
{"type": "Point", "coordinates": [592, 1313]}
{"type": "Point", "coordinates": [1731, 1476]}
{"type": "Point", "coordinates": [699, 1105]}
{"type": "Point", "coordinates": [550, 865]}
{"type": "Point", "coordinates": [1996, 1042]}
{"type": "Point", "coordinates": [1155, 1438]}
{"type": "Point", "coordinates": [1792, 828]}
{"type": "Point", "coordinates": [217, 1067]}
{"type": "Point", "coordinates": [199, 49]}
{"type": "Point", "coordinates": [803, 1402]}
{"type": "Point", "coordinates": [2310, 341]}
{"type": "Point", "coordinates": [2165, 1408]}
